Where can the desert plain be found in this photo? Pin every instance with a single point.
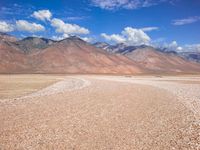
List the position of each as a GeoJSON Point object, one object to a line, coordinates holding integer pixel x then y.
{"type": "Point", "coordinates": [87, 112]}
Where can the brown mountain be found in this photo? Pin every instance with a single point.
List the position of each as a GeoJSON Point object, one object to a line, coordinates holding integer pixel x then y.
{"type": "Point", "coordinates": [33, 43]}
{"type": "Point", "coordinates": [74, 55]}
{"type": "Point", "coordinates": [11, 58]}
{"type": "Point", "coordinates": [158, 62]}
{"type": "Point", "coordinates": [71, 55]}
{"type": "Point", "coordinates": [7, 37]}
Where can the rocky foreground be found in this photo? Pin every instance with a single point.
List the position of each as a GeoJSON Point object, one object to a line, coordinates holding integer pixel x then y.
{"type": "Point", "coordinates": [105, 112]}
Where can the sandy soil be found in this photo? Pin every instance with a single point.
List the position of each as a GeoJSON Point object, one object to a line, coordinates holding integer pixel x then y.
{"type": "Point", "coordinates": [105, 112]}
{"type": "Point", "coordinates": [12, 86]}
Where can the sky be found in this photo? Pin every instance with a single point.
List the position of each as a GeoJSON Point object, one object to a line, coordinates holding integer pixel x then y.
{"type": "Point", "coordinates": [171, 23]}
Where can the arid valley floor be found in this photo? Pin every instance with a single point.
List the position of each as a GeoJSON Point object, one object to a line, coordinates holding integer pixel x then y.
{"type": "Point", "coordinates": [90, 112]}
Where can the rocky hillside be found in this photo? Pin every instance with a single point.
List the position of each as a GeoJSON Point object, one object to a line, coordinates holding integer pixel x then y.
{"type": "Point", "coordinates": [73, 55]}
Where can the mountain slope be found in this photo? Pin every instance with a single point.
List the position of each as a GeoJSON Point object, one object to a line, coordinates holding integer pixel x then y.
{"type": "Point", "coordinates": [120, 48]}
{"type": "Point", "coordinates": [11, 59]}
{"type": "Point", "coordinates": [7, 37]}
{"type": "Point", "coordinates": [153, 60]}
{"type": "Point", "coordinates": [71, 55]}
{"type": "Point", "coordinates": [158, 62]}
{"type": "Point", "coordinates": [193, 56]}
{"type": "Point", "coordinates": [33, 43]}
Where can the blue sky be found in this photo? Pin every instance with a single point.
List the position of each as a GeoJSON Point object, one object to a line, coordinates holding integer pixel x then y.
{"type": "Point", "coordinates": [175, 22]}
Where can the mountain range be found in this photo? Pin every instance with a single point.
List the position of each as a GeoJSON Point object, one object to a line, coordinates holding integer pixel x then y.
{"type": "Point", "coordinates": [123, 49]}
{"type": "Point", "coordinates": [120, 48]}
{"type": "Point", "coordinates": [154, 59]}
{"type": "Point", "coordinates": [73, 55]}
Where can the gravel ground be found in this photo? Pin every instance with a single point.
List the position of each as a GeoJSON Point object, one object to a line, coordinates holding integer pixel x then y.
{"type": "Point", "coordinates": [56, 88]}
{"type": "Point", "coordinates": [188, 94]}
{"type": "Point", "coordinates": [104, 112]}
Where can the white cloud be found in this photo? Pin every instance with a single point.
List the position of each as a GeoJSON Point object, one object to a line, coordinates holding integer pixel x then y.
{"type": "Point", "coordinates": [146, 29]}
{"type": "Point", "coordinates": [5, 27]}
{"type": "Point", "coordinates": [114, 37]}
{"type": "Point", "coordinates": [192, 48]}
{"type": "Point", "coordinates": [58, 38]}
{"type": "Point", "coordinates": [179, 48]}
{"type": "Point", "coordinates": [76, 18]}
{"type": "Point", "coordinates": [135, 36]}
{"type": "Point", "coordinates": [173, 44]}
{"type": "Point", "coordinates": [179, 22]}
{"type": "Point", "coordinates": [62, 27]}
{"type": "Point", "coordinates": [42, 15]}
{"type": "Point", "coordinates": [23, 25]}
{"type": "Point", "coordinates": [109, 4]}
{"type": "Point", "coordinates": [64, 36]}
{"type": "Point", "coordinates": [129, 36]}
{"type": "Point", "coordinates": [126, 4]}
{"type": "Point", "coordinates": [185, 48]}
{"type": "Point", "coordinates": [188, 48]}
{"type": "Point", "coordinates": [87, 39]}
{"type": "Point", "coordinates": [38, 36]}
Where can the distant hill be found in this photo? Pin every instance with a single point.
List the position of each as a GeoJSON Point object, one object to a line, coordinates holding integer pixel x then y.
{"type": "Point", "coordinates": [73, 55]}
{"type": "Point", "coordinates": [155, 60]}
{"type": "Point", "coordinates": [7, 37]}
{"type": "Point", "coordinates": [33, 43]}
{"type": "Point", "coordinates": [158, 62]}
{"type": "Point", "coordinates": [189, 55]}
{"type": "Point", "coordinates": [118, 48]}
{"type": "Point", "coordinates": [193, 56]}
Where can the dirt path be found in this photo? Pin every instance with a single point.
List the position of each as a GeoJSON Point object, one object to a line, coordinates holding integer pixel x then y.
{"type": "Point", "coordinates": [100, 113]}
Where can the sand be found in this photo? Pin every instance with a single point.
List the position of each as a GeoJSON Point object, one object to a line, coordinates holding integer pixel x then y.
{"type": "Point", "coordinates": [104, 112]}
{"type": "Point", "coordinates": [12, 86]}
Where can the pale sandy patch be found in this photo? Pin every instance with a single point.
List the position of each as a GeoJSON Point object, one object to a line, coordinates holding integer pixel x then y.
{"type": "Point", "coordinates": [13, 86]}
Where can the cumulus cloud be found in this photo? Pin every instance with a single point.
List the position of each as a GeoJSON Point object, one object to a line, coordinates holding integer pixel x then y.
{"type": "Point", "coordinates": [135, 36]}
{"type": "Point", "coordinates": [5, 27]}
{"type": "Point", "coordinates": [192, 48]}
{"type": "Point", "coordinates": [87, 39]}
{"type": "Point", "coordinates": [58, 38]}
{"type": "Point", "coordinates": [179, 48]}
{"type": "Point", "coordinates": [114, 37]}
{"type": "Point", "coordinates": [125, 4]}
{"type": "Point", "coordinates": [64, 36]}
{"type": "Point", "coordinates": [42, 15]}
{"type": "Point", "coordinates": [147, 29]}
{"type": "Point", "coordinates": [185, 48]}
{"type": "Point", "coordinates": [62, 27]}
{"type": "Point", "coordinates": [173, 46]}
{"type": "Point", "coordinates": [23, 25]}
{"type": "Point", "coordinates": [188, 48]}
{"type": "Point", "coordinates": [129, 36]}
{"type": "Point", "coordinates": [179, 22]}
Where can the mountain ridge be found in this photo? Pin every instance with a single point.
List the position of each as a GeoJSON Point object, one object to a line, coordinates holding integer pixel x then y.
{"type": "Point", "coordinates": [191, 56]}
{"type": "Point", "coordinates": [71, 55]}
{"type": "Point", "coordinates": [74, 55]}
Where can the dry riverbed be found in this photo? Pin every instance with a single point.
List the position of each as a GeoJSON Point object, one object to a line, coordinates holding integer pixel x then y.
{"type": "Point", "coordinates": [99, 112]}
